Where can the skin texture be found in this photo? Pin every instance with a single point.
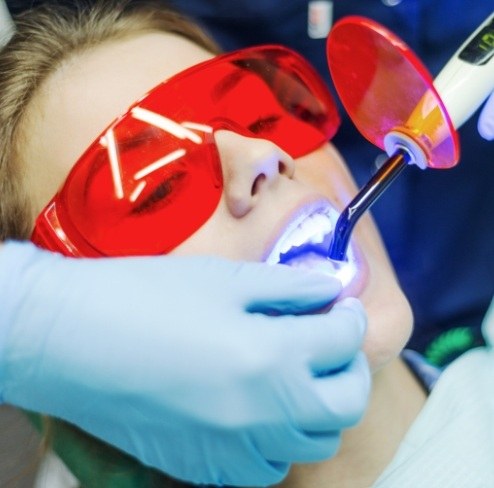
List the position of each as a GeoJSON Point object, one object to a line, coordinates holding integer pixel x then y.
{"type": "Point", "coordinates": [264, 188]}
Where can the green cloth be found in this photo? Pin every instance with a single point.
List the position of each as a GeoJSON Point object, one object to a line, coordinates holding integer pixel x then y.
{"type": "Point", "coordinates": [96, 464]}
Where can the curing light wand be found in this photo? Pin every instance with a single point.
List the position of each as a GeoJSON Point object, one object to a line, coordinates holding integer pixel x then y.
{"type": "Point", "coordinates": [372, 190]}
{"type": "Point", "coordinates": [463, 84]}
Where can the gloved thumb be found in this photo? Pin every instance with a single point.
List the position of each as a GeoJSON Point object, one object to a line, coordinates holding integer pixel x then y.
{"type": "Point", "coordinates": [486, 119]}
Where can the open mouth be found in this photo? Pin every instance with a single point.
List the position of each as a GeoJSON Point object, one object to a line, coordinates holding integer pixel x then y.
{"type": "Point", "coordinates": [305, 244]}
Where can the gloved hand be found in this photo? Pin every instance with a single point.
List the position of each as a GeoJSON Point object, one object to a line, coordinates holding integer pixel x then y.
{"type": "Point", "coordinates": [173, 361]}
{"type": "Point", "coordinates": [486, 119]}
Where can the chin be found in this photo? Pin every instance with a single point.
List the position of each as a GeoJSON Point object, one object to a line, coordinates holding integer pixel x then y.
{"type": "Point", "coordinates": [390, 323]}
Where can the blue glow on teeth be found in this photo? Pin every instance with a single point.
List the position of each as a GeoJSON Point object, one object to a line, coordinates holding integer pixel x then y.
{"type": "Point", "coordinates": [320, 248]}
{"type": "Point", "coordinates": [305, 244]}
{"type": "Point", "coordinates": [310, 233]}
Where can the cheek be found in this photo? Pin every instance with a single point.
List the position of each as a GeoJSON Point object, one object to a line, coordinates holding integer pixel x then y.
{"type": "Point", "coordinates": [225, 237]}
{"type": "Point", "coordinates": [390, 321]}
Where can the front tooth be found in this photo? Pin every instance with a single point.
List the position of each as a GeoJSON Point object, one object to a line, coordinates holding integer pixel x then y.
{"type": "Point", "coordinates": [322, 226]}
{"type": "Point", "coordinates": [310, 226]}
{"type": "Point", "coordinates": [318, 238]}
{"type": "Point", "coordinates": [324, 220]}
{"type": "Point", "coordinates": [313, 229]}
{"type": "Point", "coordinates": [294, 238]}
{"type": "Point", "coordinates": [298, 236]}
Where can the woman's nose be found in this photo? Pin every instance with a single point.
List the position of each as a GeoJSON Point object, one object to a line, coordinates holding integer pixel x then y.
{"type": "Point", "coordinates": [250, 166]}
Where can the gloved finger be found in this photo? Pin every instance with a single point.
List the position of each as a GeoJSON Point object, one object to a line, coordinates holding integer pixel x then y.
{"type": "Point", "coordinates": [289, 444]}
{"type": "Point", "coordinates": [486, 120]}
{"type": "Point", "coordinates": [343, 398]}
{"type": "Point", "coordinates": [328, 341]}
{"type": "Point", "coordinates": [281, 289]}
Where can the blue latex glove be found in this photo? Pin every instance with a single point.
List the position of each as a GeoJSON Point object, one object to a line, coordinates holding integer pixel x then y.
{"type": "Point", "coordinates": [166, 358]}
{"type": "Point", "coordinates": [486, 119]}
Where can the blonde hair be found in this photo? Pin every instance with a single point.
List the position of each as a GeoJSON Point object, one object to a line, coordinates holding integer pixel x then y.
{"type": "Point", "coordinates": [45, 37]}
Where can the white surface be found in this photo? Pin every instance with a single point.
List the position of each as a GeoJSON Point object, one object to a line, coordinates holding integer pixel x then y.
{"type": "Point", "coordinates": [54, 474]}
{"type": "Point", "coordinates": [451, 444]}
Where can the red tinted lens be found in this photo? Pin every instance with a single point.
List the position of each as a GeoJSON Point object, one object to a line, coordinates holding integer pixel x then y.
{"type": "Point", "coordinates": [154, 177]}
{"type": "Point", "coordinates": [139, 210]}
{"type": "Point", "coordinates": [385, 87]}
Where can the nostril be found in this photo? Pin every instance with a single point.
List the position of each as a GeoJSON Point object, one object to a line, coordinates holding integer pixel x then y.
{"type": "Point", "coordinates": [257, 184]}
{"type": "Point", "coordinates": [286, 166]}
{"type": "Point", "coordinates": [283, 168]}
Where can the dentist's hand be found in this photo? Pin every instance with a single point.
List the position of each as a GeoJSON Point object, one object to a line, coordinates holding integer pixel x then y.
{"type": "Point", "coordinates": [486, 119]}
{"type": "Point", "coordinates": [174, 361]}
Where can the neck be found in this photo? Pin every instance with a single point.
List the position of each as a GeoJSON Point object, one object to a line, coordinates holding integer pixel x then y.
{"type": "Point", "coordinates": [367, 449]}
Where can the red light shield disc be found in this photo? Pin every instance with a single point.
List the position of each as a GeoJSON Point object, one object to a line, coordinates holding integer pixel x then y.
{"type": "Point", "coordinates": [384, 86]}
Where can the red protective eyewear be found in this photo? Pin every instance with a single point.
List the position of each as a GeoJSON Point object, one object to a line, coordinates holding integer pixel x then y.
{"type": "Point", "coordinates": [154, 176]}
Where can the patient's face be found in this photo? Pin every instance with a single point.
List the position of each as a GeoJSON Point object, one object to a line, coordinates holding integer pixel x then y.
{"type": "Point", "coordinates": [265, 191]}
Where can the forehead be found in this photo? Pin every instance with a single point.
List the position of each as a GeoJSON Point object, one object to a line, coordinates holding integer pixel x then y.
{"type": "Point", "coordinates": [86, 93]}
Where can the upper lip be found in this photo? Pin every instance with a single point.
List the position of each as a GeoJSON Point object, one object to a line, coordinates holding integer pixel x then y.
{"type": "Point", "coordinates": [306, 229]}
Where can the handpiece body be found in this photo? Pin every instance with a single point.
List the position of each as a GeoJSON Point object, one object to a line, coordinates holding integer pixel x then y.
{"type": "Point", "coordinates": [463, 85]}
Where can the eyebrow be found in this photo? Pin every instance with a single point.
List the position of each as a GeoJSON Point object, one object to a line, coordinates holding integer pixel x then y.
{"type": "Point", "coordinates": [228, 83]}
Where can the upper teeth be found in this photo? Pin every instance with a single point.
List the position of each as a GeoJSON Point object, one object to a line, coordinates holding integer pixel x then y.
{"type": "Point", "coordinates": [311, 229]}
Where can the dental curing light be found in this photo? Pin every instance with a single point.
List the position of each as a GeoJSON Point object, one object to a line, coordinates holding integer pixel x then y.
{"type": "Point", "coordinates": [395, 104]}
